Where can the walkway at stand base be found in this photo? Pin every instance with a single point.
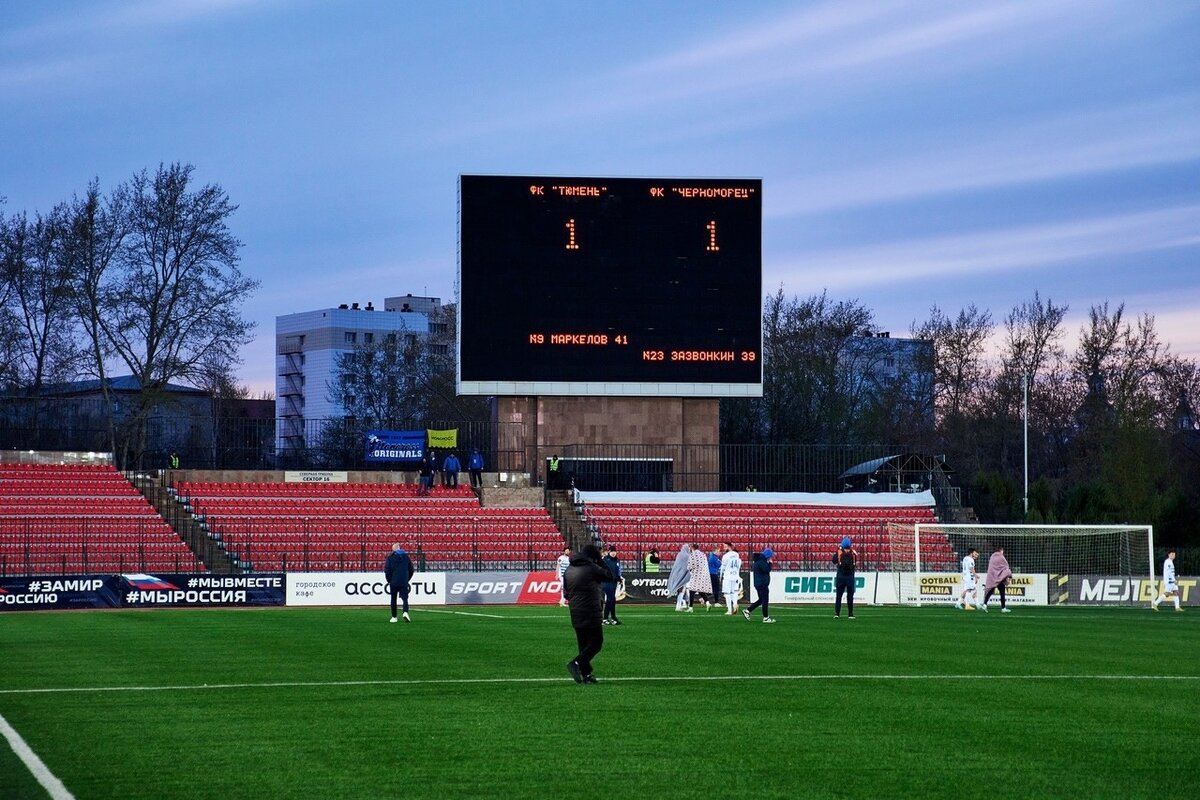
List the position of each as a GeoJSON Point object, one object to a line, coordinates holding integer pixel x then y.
{"type": "Point", "coordinates": [802, 528]}
{"type": "Point", "coordinates": [70, 519]}
{"type": "Point", "coordinates": [312, 527]}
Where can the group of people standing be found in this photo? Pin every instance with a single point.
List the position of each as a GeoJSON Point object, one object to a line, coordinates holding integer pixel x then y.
{"type": "Point", "coordinates": [448, 468]}
{"type": "Point", "coordinates": [699, 577]}
{"type": "Point", "coordinates": [997, 578]}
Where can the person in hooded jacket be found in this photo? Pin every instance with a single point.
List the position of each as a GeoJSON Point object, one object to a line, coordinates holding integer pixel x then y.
{"type": "Point", "coordinates": [582, 583]}
{"type": "Point", "coordinates": [677, 582]}
{"type": "Point", "coordinates": [760, 569]}
{"type": "Point", "coordinates": [843, 583]}
{"type": "Point", "coordinates": [398, 569]}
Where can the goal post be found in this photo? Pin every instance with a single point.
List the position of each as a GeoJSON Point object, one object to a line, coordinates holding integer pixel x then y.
{"type": "Point", "coordinates": [1048, 561]}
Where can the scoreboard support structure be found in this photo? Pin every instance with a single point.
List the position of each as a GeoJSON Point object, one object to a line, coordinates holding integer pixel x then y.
{"type": "Point", "coordinates": [678, 428]}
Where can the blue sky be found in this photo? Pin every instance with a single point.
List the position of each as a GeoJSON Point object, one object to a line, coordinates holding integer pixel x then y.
{"type": "Point", "coordinates": [912, 153]}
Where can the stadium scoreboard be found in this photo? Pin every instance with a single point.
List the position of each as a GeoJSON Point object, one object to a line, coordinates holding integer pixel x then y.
{"type": "Point", "coordinates": [610, 286]}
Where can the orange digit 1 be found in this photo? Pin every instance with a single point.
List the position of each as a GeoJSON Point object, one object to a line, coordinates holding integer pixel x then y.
{"type": "Point", "coordinates": [712, 236]}
{"type": "Point", "coordinates": [571, 243]}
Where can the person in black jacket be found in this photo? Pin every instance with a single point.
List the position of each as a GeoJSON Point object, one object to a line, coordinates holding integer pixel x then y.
{"type": "Point", "coordinates": [760, 569]}
{"type": "Point", "coordinates": [399, 571]}
{"type": "Point", "coordinates": [843, 583]}
{"type": "Point", "coordinates": [610, 587]}
{"type": "Point", "coordinates": [582, 585]}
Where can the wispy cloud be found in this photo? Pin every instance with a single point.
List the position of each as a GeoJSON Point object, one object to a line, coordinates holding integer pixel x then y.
{"type": "Point", "coordinates": [842, 42]}
{"type": "Point", "coordinates": [830, 48]}
{"type": "Point", "coordinates": [107, 18]}
{"type": "Point", "coordinates": [30, 74]}
{"type": "Point", "coordinates": [73, 45]}
{"type": "Point", "coordinates": [991, 251]}
{"type": "Point", "coordinates": [1092, 142]}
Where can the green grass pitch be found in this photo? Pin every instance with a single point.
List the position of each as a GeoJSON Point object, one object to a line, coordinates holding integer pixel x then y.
{"type": "Point", "coordinates": [474, 702]}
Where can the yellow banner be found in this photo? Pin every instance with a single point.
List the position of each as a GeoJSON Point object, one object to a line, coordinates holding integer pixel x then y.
{"type": "Point", "coordinates": [443, 440]}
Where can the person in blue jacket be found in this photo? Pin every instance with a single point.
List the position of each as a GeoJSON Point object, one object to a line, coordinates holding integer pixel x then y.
{"type": "Point", "coordinates": [610, 587]}
{"type": "Point", "coordinates": [450, 469]}
{"type": "Point", "coordinates": [398, 569]}
{"type": "Point", "coordinates": [714, 571]}
{"type": "Point", "coordinates": [475, 467]}
{"type": "Point", "coordinates": [760, 570]}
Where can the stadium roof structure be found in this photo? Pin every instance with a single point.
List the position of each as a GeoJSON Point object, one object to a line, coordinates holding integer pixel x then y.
{"type": "Point", "coordinates": [903, 472]}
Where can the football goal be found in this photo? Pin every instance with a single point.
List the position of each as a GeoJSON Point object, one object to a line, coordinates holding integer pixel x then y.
{"type": "Point", "coordinates": [1051, 564]}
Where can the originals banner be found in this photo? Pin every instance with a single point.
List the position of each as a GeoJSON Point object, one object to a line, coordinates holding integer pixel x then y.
{"type": "Point", "coordinates": [408, 446]}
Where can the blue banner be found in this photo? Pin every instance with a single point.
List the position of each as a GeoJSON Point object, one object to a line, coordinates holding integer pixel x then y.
{"type": "Point", "coordinates": [45, 592]}
{"type": "Point", "coordinates": [138, 590]}
{"type": "Point", "coordinates": [395, 445]}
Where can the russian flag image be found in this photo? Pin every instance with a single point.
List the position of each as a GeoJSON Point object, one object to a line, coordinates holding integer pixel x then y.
{"type": "Point", "coordinates": [147, 583]}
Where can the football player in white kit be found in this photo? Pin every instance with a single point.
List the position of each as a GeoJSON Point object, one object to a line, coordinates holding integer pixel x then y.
{"type": "Point", "coordinates": [970, 580]}
{"type": "Point", "coordinates": [1170, 583]}
{"type": "Point", "coordinates": [564, 561]}
{"type": "Point", "coordinates": [731, 578]}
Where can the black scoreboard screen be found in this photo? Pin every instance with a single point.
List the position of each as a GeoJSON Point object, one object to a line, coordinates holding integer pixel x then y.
{"type": "Point", "coordinates": [610, 286]}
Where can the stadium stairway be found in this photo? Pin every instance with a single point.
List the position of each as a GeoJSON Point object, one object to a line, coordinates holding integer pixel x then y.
{"type": "Point", "coordinates": [568, 518]}
{"type": "Point", "coordinates": [186, 527]}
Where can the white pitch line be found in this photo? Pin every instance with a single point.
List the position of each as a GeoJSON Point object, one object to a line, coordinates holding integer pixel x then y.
{"type": "Point", "coordinates": [53, 786]}
{"type": "Point", "coordinates": [466, 613]}
{"type": "Point", "coordinates": [629, 679]}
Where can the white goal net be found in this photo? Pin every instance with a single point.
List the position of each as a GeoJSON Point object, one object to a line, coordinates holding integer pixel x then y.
{"type": "Point", "coordinates": [1051, 564]}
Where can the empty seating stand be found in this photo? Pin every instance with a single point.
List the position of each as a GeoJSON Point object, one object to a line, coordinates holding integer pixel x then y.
{"type": "Point", "coordinates": [803, 536]}
{"type": "Point", "coordinates": [302, 527]}
{"type": "Point", "coordinates": [82, 519]}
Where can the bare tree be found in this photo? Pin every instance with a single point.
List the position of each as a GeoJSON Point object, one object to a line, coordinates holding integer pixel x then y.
{"type": "Point", "coordinates": [818, 357]}
{"type": "Point", "coordinates": [179, 282]}
{"type": "Point", "coordinates": [960, 370]}
{"type": "Point", "coordinates": [1136, 365]}
{"type": "Point", "coordinates": [11, 352]}
{"type": "Point", "coordinates": [433, 373]}
{"type": "Point", "coordinates": [1032, 344]}
{"type": "Point", "coordinates": [373, 382]}
{"type": "Point", "coordinates": [41, 294]}
{"type": "Point", "coordinates": [407, 377]}
{"type": "Point", "coordinates": [95, 234]}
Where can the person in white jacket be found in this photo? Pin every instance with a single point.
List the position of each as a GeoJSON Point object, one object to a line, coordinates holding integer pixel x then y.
{"type": "Point", "coordinates": [731, 578]}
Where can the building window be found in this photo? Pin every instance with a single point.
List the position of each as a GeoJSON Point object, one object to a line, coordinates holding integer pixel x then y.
{"type": "Point", "coordinates": [368, 337]}
{"type": "Point", "coordinates": [351, 337]}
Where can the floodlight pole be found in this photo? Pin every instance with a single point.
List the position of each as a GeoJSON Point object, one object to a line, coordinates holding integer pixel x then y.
{"type": "Point", "coordinates": [1025, 417]}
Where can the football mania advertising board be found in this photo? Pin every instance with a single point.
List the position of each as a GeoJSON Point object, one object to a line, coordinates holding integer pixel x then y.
{"type": "Point", "coordinates": [610, 286]}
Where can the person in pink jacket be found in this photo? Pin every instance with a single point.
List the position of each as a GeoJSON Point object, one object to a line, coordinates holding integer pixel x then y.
{"type": "Point", "coordinates": [998, 574]}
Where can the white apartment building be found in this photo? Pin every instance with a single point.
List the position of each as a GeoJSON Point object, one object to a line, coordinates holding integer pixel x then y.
{"type": "Point", "coordinates": [308, 343]}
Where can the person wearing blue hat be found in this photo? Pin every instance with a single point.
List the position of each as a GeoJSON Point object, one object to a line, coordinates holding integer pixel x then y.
{"type": "Point", "coordinates": [399, 571]}
{"type": "Point", "coordinates": [760, 570]}
{"type": "Point", "coordinates": [843, 583]}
